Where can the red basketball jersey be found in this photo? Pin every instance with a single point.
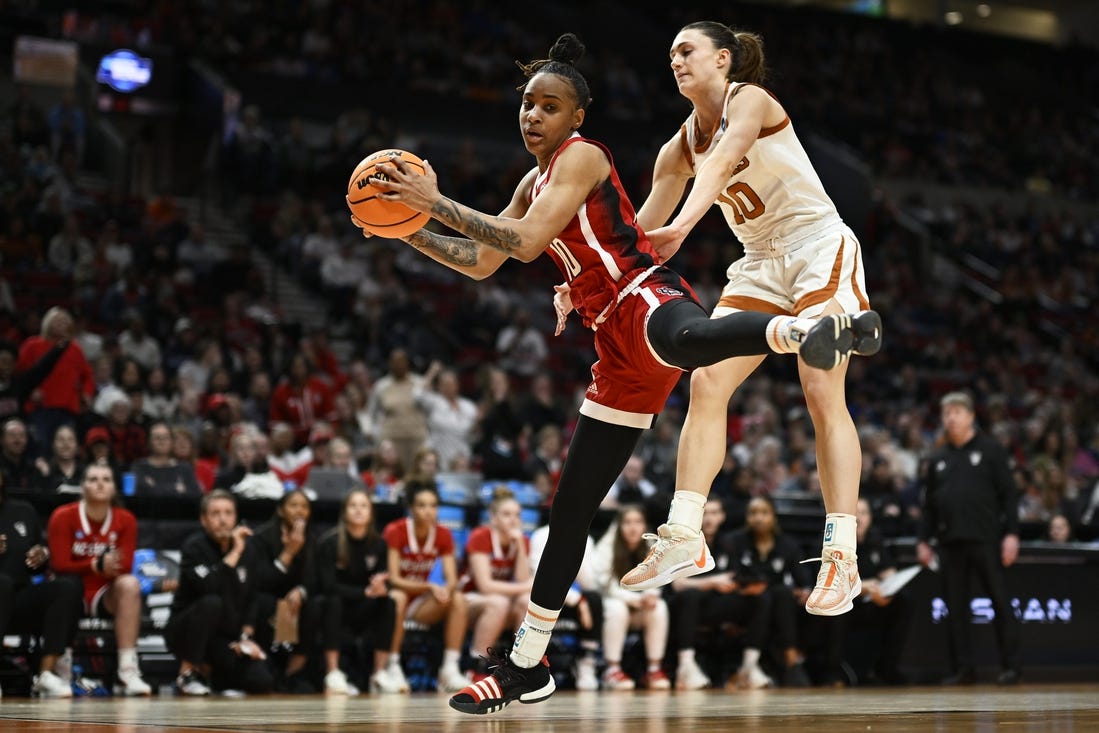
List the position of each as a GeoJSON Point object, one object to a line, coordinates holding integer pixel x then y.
{"type": "Point", "coordinates": [76, 541]}
{"type": "Point", "coordinates": [484, 540]}
{"type": "Point", "coordinates": [602, 247]}
{"type": "Point", "coordinates": [416, 559]}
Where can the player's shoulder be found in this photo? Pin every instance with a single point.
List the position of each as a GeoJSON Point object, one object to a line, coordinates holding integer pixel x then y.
{"type": "Point", "coordinates": [65, 512]}
{"type": "Point", "coordinates": [395, 529]}
{"type": "Point", "coordinates": [480, 538]}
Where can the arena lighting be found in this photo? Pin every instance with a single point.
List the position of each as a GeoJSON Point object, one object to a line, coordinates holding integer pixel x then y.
{"type": "Point", "coordinates": [984, 10]}
{"type": "Point", "coordinates": [124, 71]}
{"type": "Point", "coordinates": [953, 17]}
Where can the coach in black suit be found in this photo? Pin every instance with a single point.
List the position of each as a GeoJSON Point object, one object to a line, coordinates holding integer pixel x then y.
{"type": "Point", "coordinates": [970, 506]}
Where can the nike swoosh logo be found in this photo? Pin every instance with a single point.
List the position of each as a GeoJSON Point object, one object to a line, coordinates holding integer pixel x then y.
{"type": "Point", "coordinates": [701, 561]}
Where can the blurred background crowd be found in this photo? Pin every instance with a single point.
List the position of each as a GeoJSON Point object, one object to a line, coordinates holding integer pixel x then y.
{"type": "Point", "coordinates": [216, 288]}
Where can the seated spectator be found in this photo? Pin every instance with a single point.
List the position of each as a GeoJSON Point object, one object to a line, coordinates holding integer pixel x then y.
{"type": "Point", "coordinates": [498, 577]}
{"type": "Point", "coordinates": [702, 600]}
{"type": "Point", "coordinates": [213, 615]}
{"type": "Point", "coordinates": [424, 471]}
{"type": "Point", "coordinates": [521, 348]}
{"type": "Point", "coordinates": [881, 621]}
{"type": "Point", "coordinates": [619, 550]}
{"type": "Point", "coordinates": [97, 445]}
{"type": "Point", "coordinates": [160, 400]}
{"type": "Point", "coordinates": [352, 567]}
{"type": "Point", "coordinates": [415, 543]}
{"type": "Point", "coordinates": [48, 609]}
{"type": "Point", "coordinates": [244, 475]}
{"type": "Point", "coordinates": [583, 605]}
{"type": "Point", "coordinates": [69, 248]}
{"type": "Point", "coordinates": [128, 440]}
{"type": "Point", "coordinates": [541, 407]}
{"type": "Point", "coordinates": [160, 473]}
{"type": "Point", "coordinates": [287, 462]}
{"type": "Point", "coordinates": [183, 450]}
{"type": "Point", "coordinates": [16, 463]}
{"type": "Point", "coordinates": [546, 461]}
{"type": "Point", "coordinates": [1059, 529]}
{"type": "Point", "coordinates": [286, 556]}
{"type": "Point", "coordinates": [136, 343]}
{"type": "Point", "coordinates": [95, 541]}
{"type": "Point", "coordinates": [383, 478]}
{"type": "Point", "coordinates": [63, 472]}
{"type": "Point", "coordinates": [301, 398]}
{"type": "Point", "coordinates": [631, 487]}
{"type": "Point", "coordinates": [771, 583]}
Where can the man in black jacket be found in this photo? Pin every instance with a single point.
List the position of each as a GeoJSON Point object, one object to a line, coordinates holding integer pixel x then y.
{"type": "Point", "coordinates": [213, 613]}
{"type": "Point", "coordinates": [970, 505]}
{"type": "Point", "coordinates": [50, 608]}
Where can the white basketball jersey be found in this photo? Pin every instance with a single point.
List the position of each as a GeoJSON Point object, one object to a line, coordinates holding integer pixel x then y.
{"type": "Point", "coordinates": [773, 193]}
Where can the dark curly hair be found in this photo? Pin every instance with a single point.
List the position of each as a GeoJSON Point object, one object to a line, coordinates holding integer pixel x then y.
{"type": "Point", "coordinates": [563, 55]}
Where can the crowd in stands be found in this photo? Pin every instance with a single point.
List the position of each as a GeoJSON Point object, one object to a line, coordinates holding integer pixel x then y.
{"type": "Point", "coordinates": [131, 340]}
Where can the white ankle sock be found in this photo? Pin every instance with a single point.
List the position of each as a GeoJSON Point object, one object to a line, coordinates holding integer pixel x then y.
{"type": "Point", "coordinates": [785, 333]}
{"type": "Point", "coordinates": [686, 657]}
{"type": "Point", "coordinates": [751, 658]}
{"type": "Point", "coordinates": [533, 636]}
{"type": "Point", "coordinates": [686, 510]}
{"type": "Point", "coordinates": [451, 657]}
{"type": "Point", "coordinates": [839, 531]}
{"type": "Point", "coordinates": [127, 659]}
{"type": "Point", "coordinates": [394, 660]}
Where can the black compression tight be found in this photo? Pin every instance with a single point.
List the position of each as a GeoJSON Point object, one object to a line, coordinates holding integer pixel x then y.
{"type": "Point", "coordinates": [597, 453]}
{"type": "Point", "coordinates": [685, 336]}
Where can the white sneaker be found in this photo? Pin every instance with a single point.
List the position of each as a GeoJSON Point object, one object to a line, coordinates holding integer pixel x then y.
{"type": "Point", "coordinates": [618, 681]}
{"type": "Point", "coordinates": [677, 552]}
{"type": "Point", "coordinates": [451, 679]}
{"type": "Point", "coordinates": [838, 583]}
{"type": "Point", "coordinates": [691, 677]}
{"type": "Point", "coordinates": [586, 679]}
{"type": "Point", "coordinates": [383, 681]}
{"type": "Point", "coordinates": [191, 684]}
{"type": "Point", "coordinates": [335, 682]}
{"type": "Point", "coordinates": [131, 684]}
{"type": "Point", "coordinates": [396, 675]}
{"type": "Point", "coordinates": [753, 678]}
{"type": "Point", "coordinates": [48, 684]}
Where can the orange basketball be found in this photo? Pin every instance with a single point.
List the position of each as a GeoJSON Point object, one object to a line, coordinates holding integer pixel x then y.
{"type": "Point", "coordinates": [381, 217]}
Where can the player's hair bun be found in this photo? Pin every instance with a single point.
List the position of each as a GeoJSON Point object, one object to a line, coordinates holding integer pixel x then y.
{"type": "Point", "coordinates": [567, 49]}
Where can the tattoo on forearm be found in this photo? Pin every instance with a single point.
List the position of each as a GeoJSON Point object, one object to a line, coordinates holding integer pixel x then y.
{"type": "Point", "coordinates": [455, 250]}
{"type": "Point", "coordinates": [477, 227]}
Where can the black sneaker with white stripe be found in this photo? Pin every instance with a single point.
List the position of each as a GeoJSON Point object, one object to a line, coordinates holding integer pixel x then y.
{"type": "Point", "coordinates": [507, 683]}
{"type": "Point", "coordinates": [835, 337]}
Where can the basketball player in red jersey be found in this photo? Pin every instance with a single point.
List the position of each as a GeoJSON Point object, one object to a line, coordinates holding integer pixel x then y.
{"type": "Point", "coordinates": [648, 328]}
{"type": "Point", "coordinates": [96, 541]}
{"type": "Point", "coordinates": [799, 259]}
{"type": "Point", "coordinates": [415, 544]}
{"type": "Point", "coordinates": [497, 580]}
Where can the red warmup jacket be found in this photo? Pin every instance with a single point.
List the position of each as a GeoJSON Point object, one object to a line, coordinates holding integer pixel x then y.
{"type": "Point", "coordinates": [76, 541]}
{"type": "Point", "coordinates": [71, 378]}
{"type": "Point", "coordinates": [300, 407]}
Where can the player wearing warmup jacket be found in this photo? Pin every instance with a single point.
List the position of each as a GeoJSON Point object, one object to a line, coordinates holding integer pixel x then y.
{"type": "Point", "coordinates": [95, 540]}
{"type": "Point", "coordinates": [799, 259]}
{"type": "Point", "coordinates": [415, 544]}
{"type": "Point", "coordinates": [648, 326]}
{"type": "Point", "coordinates": [498, 573]}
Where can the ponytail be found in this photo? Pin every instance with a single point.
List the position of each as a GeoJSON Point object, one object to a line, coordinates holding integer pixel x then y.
{"type": "Point", "coordinates": [745, 47]}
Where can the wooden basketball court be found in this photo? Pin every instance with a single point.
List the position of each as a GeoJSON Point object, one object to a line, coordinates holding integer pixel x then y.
{"type": "Point", "coordinates": [1025, 708]}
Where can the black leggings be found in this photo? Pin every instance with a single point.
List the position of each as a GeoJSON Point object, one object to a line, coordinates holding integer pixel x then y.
{"type": "Point", "coordinates": [597, 453]}
{"type": "Point", "coordinates": [51, 608]}
{"type": "Point", "coordinates": [684, 335]}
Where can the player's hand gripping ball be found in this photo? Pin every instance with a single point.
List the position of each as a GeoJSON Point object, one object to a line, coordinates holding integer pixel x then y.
{"type": "Point", "coordinates": [374, 213]}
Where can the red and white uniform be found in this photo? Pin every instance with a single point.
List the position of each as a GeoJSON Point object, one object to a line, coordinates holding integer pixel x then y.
{"type": "Point", "coordinates": [616, 284]}
{"type": "Point", "coordinates": [76, 541]}
{"type": "Point", "coordinates": [485, 541]}
{"type": "Point", "coordinates": [417, 560]}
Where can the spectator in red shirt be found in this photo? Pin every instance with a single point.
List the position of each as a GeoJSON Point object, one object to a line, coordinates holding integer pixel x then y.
{"type": "Point", "coordinates": [301, 399]}
{"type": "Point", "coordinates": [68, 390]}
{"type": "Point", "coordinates": [95, 540]}
{"type": "Point", "coordinates": [183, 448]}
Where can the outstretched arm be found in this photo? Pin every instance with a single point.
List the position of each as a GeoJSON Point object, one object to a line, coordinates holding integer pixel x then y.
{"type": "Point", "coordinates": [578, 169]}
{"type": "Point", "coordinates": [749, 112]}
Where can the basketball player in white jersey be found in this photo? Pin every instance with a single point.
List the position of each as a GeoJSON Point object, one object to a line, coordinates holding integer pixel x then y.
{"type": "Point", "coordinates": [799, 259]}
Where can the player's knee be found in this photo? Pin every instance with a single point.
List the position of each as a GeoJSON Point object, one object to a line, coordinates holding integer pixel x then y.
{"type": "Point", "coordinates": [824, 394]}
{"type": "Point", "coordinates": [127, 586]}
{"type": "Point", "coordinates": [708, 384]}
